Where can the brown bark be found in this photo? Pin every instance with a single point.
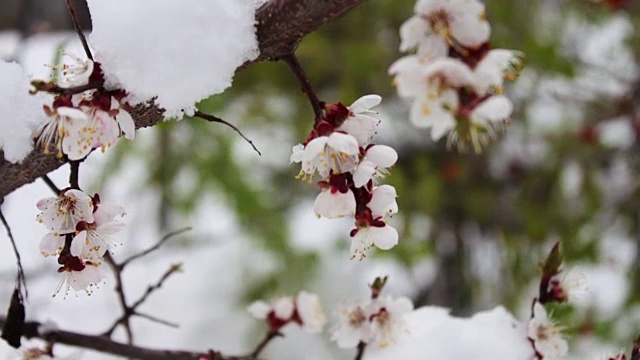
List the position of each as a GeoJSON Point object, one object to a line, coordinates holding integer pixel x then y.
{"type": "Point", "coordinates": [281, 25]}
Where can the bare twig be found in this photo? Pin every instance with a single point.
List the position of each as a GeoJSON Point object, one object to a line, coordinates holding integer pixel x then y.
{"type": "Point", "coordinates": [47, 180]}
{"type": "Point", "coordinates": [154, 247]}
{"type": "Point", "coordinates": [33, 329]}
{"type": "Point", "coordinates": [126, 310]}
{"type": "Point", "coordinates": [267, 339]}
{"type": "Point", "coordinates": [76, 25]}
{"type": "Point", "coordinates": [21, 281]}
{"type": "Point", "coordinates": [292, 61]}
{"type": "Point", "coordinates": [157, 320]}
{"type": "Point", "coordinates": [151, 288]}
{"type": "Point", "coordinates": [212, 118]}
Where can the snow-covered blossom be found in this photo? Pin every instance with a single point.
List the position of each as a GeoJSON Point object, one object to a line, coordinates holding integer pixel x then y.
{"type": "Point", "coordinates": [361, 122]}
{"type": "Point", "coordinates": [92, 240]}
{"type": "Point", "coordinates": [61, 214]}
{"type": "Point", "coordinates": [377, 159]}
{"type": "Point", "coordinates": [79, 275]}
{"type": "Point", "coordinates": [76, 74]}
{"type": "Point", "coordinates": [545, 335]}
{"type": "Point", "coordinates": [379, 321]}
{"type": "Point", "coordinates": [441, 22]}
{"type": "Point", "coordinates": [305, 310]}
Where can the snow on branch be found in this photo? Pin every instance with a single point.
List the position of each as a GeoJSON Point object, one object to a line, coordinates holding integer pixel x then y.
{"type": "Point", "coordinates": [281, 25]}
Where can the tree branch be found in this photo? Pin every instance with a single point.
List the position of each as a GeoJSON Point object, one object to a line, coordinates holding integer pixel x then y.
{"type": "Point", "coordinates": [281, 25]}
{"type": "Point", "coordinates": [33, 329]}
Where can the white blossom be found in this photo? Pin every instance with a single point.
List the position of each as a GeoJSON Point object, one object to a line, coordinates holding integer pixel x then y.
{"type": "Point", "coordinates": [384, 238]}
{"type": "Point", "coordinates": [310, 312]}
{"type": "Point", "coordinates": [378, 321]}
{"type": "Point", "coordinates": [496, 66]}
{"type": "Point", "coordinates": [377, 159]}
{"type": "Point", "coordinates": [62, 123]}
{"type": "Point", "coordinates": [94, 239]}
{"type": "Point", "coordinates": [79, 275]}
{"type": "Point", "coordinates": [453, 22]}
{"type": "Point", "coordinates": [76, 74]}
{"type": "Point", "coordinates": [362, 123]}
{"type": "Point", "coordinates": [437, 113]}
{"type": "Point", "coordinates": [62, 214]}
{"type": "Point", "coordinates": [52, 245]}
{"type": "Point", "coordinates": [388, 323]}
{"type": "Point", "coordinates": [334, 204]}
{"type": "Point", "coordinates": [337, 152]}
{"type": "Point", "coordinates": [546, 335]}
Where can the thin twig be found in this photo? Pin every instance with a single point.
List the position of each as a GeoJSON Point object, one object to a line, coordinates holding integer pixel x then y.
{"type": "Point", "coordinates": [76, 25]}
{"type": "Point", "coordinates": [21, 279]}
{"type": "Point", "coordinates": [360, 353]}
{"type": "Point", "coordinates": [126, 310]}
{"type": "Point", "coordinates": [47, 180]}
{"type": "Point", "coordinates": [154, 247]}
{"type": "Point", "coordinates": [151, 288]}
{"type": "Point", "coordinates": [212, 118]}
{"type": "Point", "coordinates": [267, 339]}
{"type": "Point", "coordinates": [292, 61]}
{"type": "Point", "coordinates": [156, 319]}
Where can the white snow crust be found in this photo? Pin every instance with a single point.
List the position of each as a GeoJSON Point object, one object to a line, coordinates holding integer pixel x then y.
{"type": "Point", "coordinates": [176, 52]}
{"type": "Point", "coordinates": [435, 334]}
{"type": "Point", "coordinates": [20, 112]}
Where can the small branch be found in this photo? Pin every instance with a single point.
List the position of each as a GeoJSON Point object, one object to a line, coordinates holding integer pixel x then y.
{"type": "Point", "coordinates": [47, 180]}
{"type": "Point", "coordinates": [76, 25]}
{"type": "Point", "coordinates": [154, 247]}
{"type": "Point", "coordinates": [292, 61]}
{"type": "Point", "coordinates": [360, 353]}
{"type": "Point", "coordinates": [21, 281]}
{"type": "Point", "coordinates": [151, 288]}
{"type": "Point", "coordinates": [108, 346]}
{"type": "Point", "coordinates": [157, 320]}
{"type": "Point", "coordinates": [267, 339]}
{"type": "Point", "coordinates": [212, 118]}
{"type": "Point", "coordinates": [126, 310]}
{"type": "Point", "coordinates": [74, 174]}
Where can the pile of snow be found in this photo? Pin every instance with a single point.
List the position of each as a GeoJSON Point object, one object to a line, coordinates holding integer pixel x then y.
{"type": "Point", "coordinates": [20, 112]}
{"type": "Point", "coordinates": [434, 334]}
{"type": "Point", "coordinates": [174, 52]}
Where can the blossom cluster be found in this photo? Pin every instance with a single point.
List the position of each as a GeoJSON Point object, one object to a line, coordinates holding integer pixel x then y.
{"type": "Point", "coordinates": [304, 310]}
{"type": "Point", "coordinates": [80, 122]}
{"type": "Point", "coordinates": [80, 229]}
{"type": "Point", "coordinates": [454, 79]}
{"type": "Point", "coordinates": [340, 151]}
{"type": "Point", "coordinates": [379, 321]}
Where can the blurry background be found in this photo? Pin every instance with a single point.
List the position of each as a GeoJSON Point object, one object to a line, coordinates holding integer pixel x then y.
{"type": "Point", "coordinates": [473, 228]}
